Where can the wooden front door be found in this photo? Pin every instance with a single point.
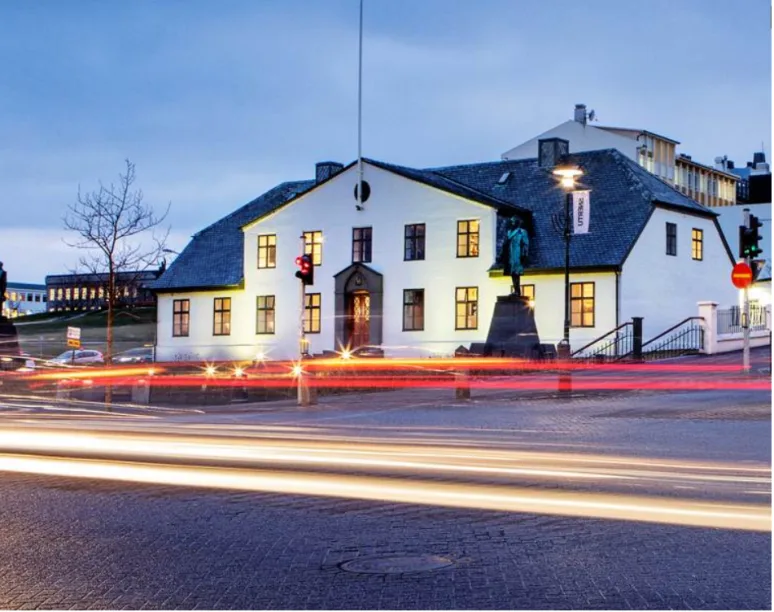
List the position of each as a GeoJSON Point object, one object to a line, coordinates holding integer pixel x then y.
{"type": "Point", "coordinates": [359, 319]}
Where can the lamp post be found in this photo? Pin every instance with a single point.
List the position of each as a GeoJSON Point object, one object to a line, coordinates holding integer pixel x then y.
{"type": "Point", "coordinates": [567, 176]}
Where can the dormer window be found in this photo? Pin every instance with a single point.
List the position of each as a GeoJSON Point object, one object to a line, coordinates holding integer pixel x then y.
{"type": "Point", "coordinates": [504, 178]}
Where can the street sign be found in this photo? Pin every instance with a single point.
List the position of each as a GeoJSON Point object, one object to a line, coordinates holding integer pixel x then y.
{"type": "Point", "coordinates": [72, 342]}
{"type": "Point", "coordinates": [73, 333]}
{"type": "Point", "coordinates": [741, 275]}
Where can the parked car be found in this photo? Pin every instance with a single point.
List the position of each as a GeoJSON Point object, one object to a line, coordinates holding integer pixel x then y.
{"type": "Point", "coordinates": [78, 357]}
{"type": "Point", "coordinates": [142, 354]}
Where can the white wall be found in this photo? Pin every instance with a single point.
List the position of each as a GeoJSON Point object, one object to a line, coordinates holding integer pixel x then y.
{"type": "Point", "coordinates": [394, 202]}
{"type": "Point", "coordinates": [664, 289]}
{"type": "Point", "coordinates": [201, 344]}
{"type": "Point", "coordinates": [581, 138]}
{"type": "Point", "coordinates": [549, 306]}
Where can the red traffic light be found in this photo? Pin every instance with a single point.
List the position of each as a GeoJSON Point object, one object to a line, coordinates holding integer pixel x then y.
{"type": "Point", "coordinates": [299, 261]}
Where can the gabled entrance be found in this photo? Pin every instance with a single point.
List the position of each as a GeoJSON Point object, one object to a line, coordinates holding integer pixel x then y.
{"type": "Point", "coordinates": [359, 301]}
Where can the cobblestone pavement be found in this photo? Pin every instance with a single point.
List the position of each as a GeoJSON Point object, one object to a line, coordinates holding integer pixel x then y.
{"type": "Point", "coordinates": [81, 544]}
{"type": "Point", "coordinates": [68, 544]}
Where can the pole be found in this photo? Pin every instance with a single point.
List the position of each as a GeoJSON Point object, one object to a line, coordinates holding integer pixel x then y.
{"type": "Point", "coordinates": [303, 389]}
{"type": "Point", "coordinates": [360, 112]}
{"type": "Point", "coordinates": [565, 377]}
{"type": "Point", "coordinates": [746, 312]}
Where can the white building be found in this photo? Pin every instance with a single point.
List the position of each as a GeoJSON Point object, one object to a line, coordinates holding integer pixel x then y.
{"type": "Point", "coordinates": [711, 186]}
{"type": "Point", "coordinates": [24, 299]}
{"type": "Point", "coordinates": [415, 271]}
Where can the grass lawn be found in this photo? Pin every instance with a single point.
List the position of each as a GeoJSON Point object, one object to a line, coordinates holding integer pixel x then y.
{"type": "Point", "coordinates": [45, 334]}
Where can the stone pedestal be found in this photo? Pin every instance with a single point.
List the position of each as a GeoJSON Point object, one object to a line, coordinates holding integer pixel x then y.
{"type": "Point", "coordinates": [513, 332]}
{"type": "Point", "coordinates": [9, 340]}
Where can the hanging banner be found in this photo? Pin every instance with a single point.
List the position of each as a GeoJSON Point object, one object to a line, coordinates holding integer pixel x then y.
{"type": "Point", "coordinates": [581, 211]}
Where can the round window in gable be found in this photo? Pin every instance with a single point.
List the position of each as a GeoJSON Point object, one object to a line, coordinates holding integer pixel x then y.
{"type": "Point", "coordinates": [366, 191]}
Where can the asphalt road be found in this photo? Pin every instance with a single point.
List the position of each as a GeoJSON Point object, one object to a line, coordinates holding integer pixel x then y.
{"type": "Point", "coordinates": [390, 501]}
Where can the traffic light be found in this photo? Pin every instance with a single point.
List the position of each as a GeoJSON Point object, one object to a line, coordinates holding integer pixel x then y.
{"type": "Point", "coordinates": [305, 269]}
{"type": "Point", "coordinates": [749, 237]}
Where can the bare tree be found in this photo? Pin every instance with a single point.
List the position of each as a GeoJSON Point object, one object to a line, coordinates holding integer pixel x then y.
{"type": "Point", "coordinates": [113, 224]}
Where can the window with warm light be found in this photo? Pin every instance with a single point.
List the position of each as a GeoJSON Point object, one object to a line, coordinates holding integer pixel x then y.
{"type": "Point", "coordinates": [267, 251]}
{"type": "Point", "coordinates": [312, 311]}
{"type": "Point", "coordinates": [697, 244]}
{"type": "Point", "coordinates": [466, 308]}
{"type": "Point", "coordinates": [313, 246]}
{"type": "Point", "coordinates": [180, 317]}
{"type": "Point", "coordinates": [467, 238]}
{"type": "Point", "coordinates": [413, 309]}
{"type": "Point", "coordinates": [221, 320]}
{"type": "Point", "coordinates": [361, 244]}
{"type": "Point", "coordinates": [527, 291]}
{"type": "Point", "coordinates": [582, 304]}
{"type": "Point", "coordinates": [264, 312]}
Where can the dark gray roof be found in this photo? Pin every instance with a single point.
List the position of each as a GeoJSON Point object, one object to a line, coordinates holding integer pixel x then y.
{"type": "Point", "coordinates": [214, 257]}
{"type": "Point", "coordinates": [622, 198]}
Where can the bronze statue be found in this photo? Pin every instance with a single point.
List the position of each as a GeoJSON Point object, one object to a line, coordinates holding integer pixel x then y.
{"type": "Point", "coordinates": [515, 252]}
{"type": "Point", "coordinates": [3, 285]}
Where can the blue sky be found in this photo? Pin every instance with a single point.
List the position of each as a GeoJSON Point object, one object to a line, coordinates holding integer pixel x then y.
{"type": "Point", "coordinates": [216, 102]}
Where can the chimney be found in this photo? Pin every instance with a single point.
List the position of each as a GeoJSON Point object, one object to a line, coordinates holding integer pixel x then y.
{"type": "Point", "coordinates": [580, 113]}
{"type": "Point", "coordinates": [730, 165]}
{"type": "Point", "coordinates": [551, 151]}
{"type": "Point", "coordinates": [759, 158]}
{"type": "Point", "coordinates": [325, 170]}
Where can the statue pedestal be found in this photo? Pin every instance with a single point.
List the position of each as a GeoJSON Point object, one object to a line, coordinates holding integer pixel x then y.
{"type": "Point", "coordinates": [513, 332]}
{"type": "Point", "coordinates": [9, 340]}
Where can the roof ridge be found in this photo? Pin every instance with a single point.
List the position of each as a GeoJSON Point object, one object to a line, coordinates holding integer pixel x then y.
{"type": "Point", "coordinates": [271, 192]}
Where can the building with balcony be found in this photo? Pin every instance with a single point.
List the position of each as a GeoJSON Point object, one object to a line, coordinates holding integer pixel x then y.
{"type": "Point", "coordinates": [710, 186]}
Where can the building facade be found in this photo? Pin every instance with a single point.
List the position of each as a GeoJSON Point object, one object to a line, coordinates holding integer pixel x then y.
{"type": "Point", "coordinates": [82, 292]}
{"type": "Point", "coordinates": [414, 270]}
{"type": "Point", "coordinates": [24, 299]}
{"type": "Point", "coordinates": [707, 185]}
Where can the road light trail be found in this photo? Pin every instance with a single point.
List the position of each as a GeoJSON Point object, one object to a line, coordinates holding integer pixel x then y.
{"type": "Point", "coordinates": [457, 495]}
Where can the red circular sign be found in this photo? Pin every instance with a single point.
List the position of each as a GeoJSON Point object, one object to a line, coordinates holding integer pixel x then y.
{"type": "Point", "coordinates": [741, 275]}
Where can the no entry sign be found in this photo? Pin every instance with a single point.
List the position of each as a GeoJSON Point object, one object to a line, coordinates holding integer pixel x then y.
{"type": "Point", "coordinates": [741, 275]}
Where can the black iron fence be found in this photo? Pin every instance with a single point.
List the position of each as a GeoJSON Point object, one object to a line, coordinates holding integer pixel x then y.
{"type": "Point", "coordinates": [730, 321]}
{"type": "Point", "coordinates": [685, 338]}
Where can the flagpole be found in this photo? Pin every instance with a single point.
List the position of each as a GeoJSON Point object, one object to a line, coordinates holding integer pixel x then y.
{"type": "Point", "coordinates": [360, 112]}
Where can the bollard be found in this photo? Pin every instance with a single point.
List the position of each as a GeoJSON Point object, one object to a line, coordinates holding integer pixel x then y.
{"type": "Point", "coordinates": [462, 385]}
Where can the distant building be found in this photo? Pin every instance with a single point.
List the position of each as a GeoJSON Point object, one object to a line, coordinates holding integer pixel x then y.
{"type": "Point", "coordinates": [24, 299]}
{"type": "Point", "coordinates": [87, 291]}
{"type": "Point", "coordinates": [656, 153]}
{"type": "Point", "coordinates": [754, 186]}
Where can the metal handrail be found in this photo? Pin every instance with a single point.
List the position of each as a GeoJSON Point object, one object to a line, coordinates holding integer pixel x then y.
{"type": "Point", "coordinates": [603, 336]}
{"type": "Point", "coordinates": [664, 333]}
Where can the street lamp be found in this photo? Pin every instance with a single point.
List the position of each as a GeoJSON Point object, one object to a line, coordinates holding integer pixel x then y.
{"type": "Point", "coordinates": [567, 176]}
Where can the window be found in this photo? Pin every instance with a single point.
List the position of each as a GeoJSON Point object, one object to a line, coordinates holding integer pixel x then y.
{"type": "Point", "coordinates": [312, 313]}
{"type": "Point", "coordinates": [29, 297]}
{"type": "Point", "coordinates": [467, 238]}
{"type": "Point", "coordinates": [221, 321]}
{"type": "Point", "coordinates": [467, 308]}
{"type": "Point", "coordinates": [267, 251]}
{"type": "Point", "coordinates": [93, 293]}
{"type": "Point", "coordinates": [77, 293]}
{"type": "Point", "coordinates": [414, 242]}
{"type": "Point", "coordinates": [413, 309]}
{"type": "Point", "coordinates": [313, 246]}
{"type": "Point", "coordinates": [361, 244]}
{"type": "Point", "coordinates": [697, 244]}
{"type": "Point", "coordinates": [51, 294]}
{"type": "Point", "coordinates": [671, 238]}
{"type": "Point", "coordinates": [180, 317]}
{"type": "Point", "coordinates": [59, 294]}
{"type": "Point", "coordinates": [264, 312]}
{"type": "Point", "coordinates": [582, 304]}
{"type": "Point", "coordinates": [67, 294]}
